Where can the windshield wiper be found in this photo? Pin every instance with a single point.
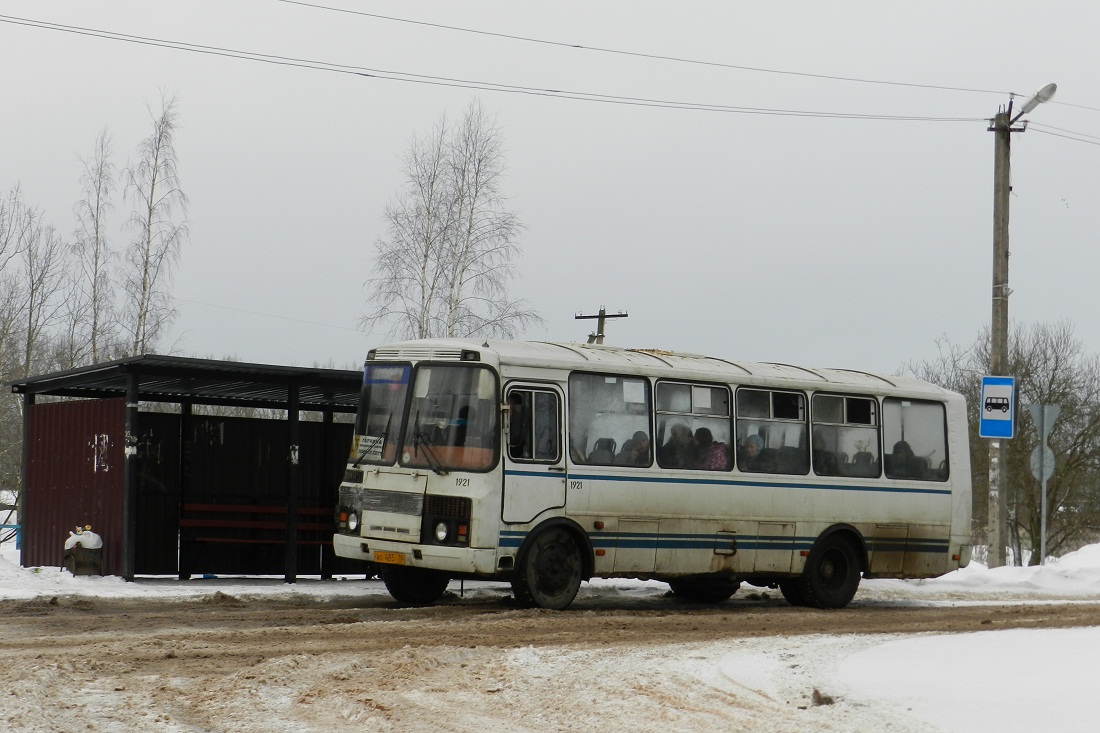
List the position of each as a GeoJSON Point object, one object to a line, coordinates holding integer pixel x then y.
{"type": "Point", "coordinates": [363, 453]}
{"type": "Point", "coordinates": [429, 453]}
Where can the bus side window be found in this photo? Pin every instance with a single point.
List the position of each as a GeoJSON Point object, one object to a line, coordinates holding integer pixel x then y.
{"type": "Point", "coordinates": [845, 436]}
{"type": "Point", "coordinates": [914, 433]}
{"type": "Point", "coordinates": [609, 420]}
{"type": "Point", "coordinates": [771, 432]}
{"type": "Point", "coordinates": [534, 425]}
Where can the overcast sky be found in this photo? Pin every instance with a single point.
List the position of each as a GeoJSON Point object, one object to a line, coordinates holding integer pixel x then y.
{"type": "Point", "coordinates": [815, 240]}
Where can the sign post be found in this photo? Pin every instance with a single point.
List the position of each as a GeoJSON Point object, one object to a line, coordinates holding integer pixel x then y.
{"type": "Point", "coordinates": [1042, 463]}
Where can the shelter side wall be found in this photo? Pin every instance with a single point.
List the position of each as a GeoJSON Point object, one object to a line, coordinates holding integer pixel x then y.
{"type": "Point", "coordinates": [75, 457]}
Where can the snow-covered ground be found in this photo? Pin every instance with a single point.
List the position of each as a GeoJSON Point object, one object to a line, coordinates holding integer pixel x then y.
{"type": "Point", "coordinates": [1008, 680]}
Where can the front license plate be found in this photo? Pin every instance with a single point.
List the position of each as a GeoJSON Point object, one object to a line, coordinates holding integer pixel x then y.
{"type": "Point", "coordinates": [390, 558]}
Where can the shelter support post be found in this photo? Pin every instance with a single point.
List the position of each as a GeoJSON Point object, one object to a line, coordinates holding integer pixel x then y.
{"type": "Point", "coordinates": [21, 500]}
{"type": "Point", "coordinates": [293, 483]}
{"type": "Point", "coordinates": [130, 480]}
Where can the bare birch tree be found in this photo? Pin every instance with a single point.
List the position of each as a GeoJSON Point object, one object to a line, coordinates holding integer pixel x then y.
{"type": "Point", "coordinates": [43, 263]}
{"type": "Point", "coordinates": [154, 186]}
{"type": "Point", "coordinates": [411, 261]}
{"type": "Point", "coordinates": [93, 313]}
{"type": "Point", "coordinates": [447, 260]}
{"type": "Point", "coordinates": [13, 224]}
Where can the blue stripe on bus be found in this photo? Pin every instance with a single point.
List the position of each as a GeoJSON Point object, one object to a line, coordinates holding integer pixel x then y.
{"type": "Point", "coordinates": [727, 482]}
{"type": "Point", "coordinates": [653, 540]}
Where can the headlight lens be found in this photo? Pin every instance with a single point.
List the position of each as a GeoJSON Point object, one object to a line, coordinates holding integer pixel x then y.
{"type": "Point", "coordinates": [442, 532]}
{"type": "Point", "coordinates": [353, 521]}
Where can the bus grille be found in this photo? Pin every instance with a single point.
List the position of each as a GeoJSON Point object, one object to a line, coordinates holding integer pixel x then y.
{"type": "Point", "coordinates": [418, 353]}
{"type": "Point", "coordinates": [452, 507]}
{"type": "Point", "coordinates": [373, 500]}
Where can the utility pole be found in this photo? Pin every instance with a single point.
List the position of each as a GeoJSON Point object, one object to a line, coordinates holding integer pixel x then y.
{"type": "Point", "coordinates": [998, 507]}
{"type": "Point", "coordinates": [597, 337]}
{"type": "Point", "coordinates": [998, 348]}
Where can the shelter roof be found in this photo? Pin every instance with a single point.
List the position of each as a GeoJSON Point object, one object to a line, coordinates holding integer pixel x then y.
{"type": "Point", "coordinates": [180, 379]}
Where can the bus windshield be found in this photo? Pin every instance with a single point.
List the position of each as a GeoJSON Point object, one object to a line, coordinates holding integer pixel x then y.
{"type": "Point", "coordinates": [452, 419]}
{"type": "Point", "coordinates": [378, 422]}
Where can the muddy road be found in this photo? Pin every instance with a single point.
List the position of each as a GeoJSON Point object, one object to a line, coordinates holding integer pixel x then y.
{"type": "Point", "coordinates": [241, 664]}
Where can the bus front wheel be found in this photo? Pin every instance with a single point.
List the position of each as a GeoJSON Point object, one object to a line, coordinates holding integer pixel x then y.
{"type": "Point", "coordinates": [415, 586]}
{"type": "Point", "coordinates": [549, 570]}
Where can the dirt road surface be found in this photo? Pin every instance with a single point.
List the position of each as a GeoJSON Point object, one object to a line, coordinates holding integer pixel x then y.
{"type": "Point", "coordinates": [366, 664]}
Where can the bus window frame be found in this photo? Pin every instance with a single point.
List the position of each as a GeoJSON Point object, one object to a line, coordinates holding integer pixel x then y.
{"type": "Point", "coordinates": [876, 424]}
{"type": "Point", "coordinates": [649, 397]}
{"type": "Point", "coordinates": [807, 456]}
{"type": "Point", "coordinates": [495, 445]}
{"type": "Point", "coordinates": [731, 425]}
{"type": "Point", "coordinates": [946, 441]}
{"type": "Point", "coordinates": [533, 387]}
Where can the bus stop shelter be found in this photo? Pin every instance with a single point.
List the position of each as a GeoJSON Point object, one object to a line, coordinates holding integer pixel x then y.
{"type": "Point", "coordinates": [177, 488]}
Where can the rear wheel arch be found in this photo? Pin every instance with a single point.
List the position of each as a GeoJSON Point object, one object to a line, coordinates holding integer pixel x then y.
{"type": "Point", "coordinates": [832, 572]}
{"type": "Point", "coordinates": [854, 536]}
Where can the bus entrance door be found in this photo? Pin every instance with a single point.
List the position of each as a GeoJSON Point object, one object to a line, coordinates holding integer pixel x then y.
{"type": "Point", "coordinates": [535, 474]}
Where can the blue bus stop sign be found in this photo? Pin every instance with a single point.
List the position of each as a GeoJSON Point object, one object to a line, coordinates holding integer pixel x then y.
{"type": "Point", "coordinates": [997, 408]}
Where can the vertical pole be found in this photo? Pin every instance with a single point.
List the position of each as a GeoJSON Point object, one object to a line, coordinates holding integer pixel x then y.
{"type": "Point", "coordinates": [21, 502]}
{"type": "Point", "coordinates": [293, 484]}
{"type": "Point", "coordinates": [1043, 473]}
{"type": "Point", "coordinates": [329, 490]}
{"type": "Point", "coordinates": [184, 558]}
{"type": "Point", "coordinates": [130, 480]}
{"type": "Point", "coordinates": [998, 479]}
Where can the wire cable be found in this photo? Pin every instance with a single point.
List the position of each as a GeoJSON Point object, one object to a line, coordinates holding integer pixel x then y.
{"type": "Point", "coordinates": [1061, 129]}
{"type": "Point", "coordinates": [1070, 137]}
{"type": "Point", "coordinates": [639, 54]}
{"type": "Point", "coordinates": [408, 77]}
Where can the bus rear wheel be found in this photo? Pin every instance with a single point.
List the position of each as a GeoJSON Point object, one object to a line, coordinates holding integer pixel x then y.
{"type": "Point", "coordinates": [792, 591]}
{"type": "Point", "coordinates": [549, 570]}
{"type": "Point", "coordinates": [704, 590]}
{"type": "Point", "coordinates": [830, 578]}
{"type": "Point", "coordinates": [415, 586]}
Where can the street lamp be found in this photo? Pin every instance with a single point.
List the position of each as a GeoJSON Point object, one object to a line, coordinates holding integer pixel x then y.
{"type": "Point", "coordinates": [1003, 129]}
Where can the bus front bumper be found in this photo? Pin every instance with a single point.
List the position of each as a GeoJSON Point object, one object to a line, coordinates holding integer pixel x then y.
{"type": "Point", "coordinates": [455, 560]}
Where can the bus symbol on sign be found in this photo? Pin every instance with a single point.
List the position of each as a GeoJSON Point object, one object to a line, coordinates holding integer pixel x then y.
{"type": "Point", "coordinates": [998, 416]}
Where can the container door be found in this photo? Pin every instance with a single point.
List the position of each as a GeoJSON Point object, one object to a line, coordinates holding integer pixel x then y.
{"type": "Point", "coordinates": [534, 462]}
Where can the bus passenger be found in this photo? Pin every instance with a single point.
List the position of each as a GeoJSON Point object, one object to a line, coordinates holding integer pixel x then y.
{"type": "Point", "coordinates": [635, 451]}
{"type": "Point", "coordinates": [677, 451]}
{"type": "Point", "coordinates": [903, 464]}
{"type": "Point", "coordinates": [709, 455]}
{"type": "Point", "coordinates": [749, 451]}
{"type": "Point", "coordinates": [519, 427]}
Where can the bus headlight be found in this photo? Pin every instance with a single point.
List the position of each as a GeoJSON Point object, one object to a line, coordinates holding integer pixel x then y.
{"type": "Point", "coordinates": [353, 521]}
{"type": "Point", "coordinates": [442, 532]}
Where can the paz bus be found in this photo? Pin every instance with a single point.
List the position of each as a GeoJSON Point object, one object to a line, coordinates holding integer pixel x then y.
{"type": "Point", "coordinates": [548, 464]}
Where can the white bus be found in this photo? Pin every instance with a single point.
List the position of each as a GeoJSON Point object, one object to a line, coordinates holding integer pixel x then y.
{"type": "Point", "coordinates": [547, 464]}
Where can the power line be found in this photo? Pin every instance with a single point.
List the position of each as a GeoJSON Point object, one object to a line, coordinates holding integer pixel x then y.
{"type": "Point", "coordinates": [1068, 137]}
{"type": "Point", "coordinates": [1061, 129]}
{"type": "Point", "coordinates": [639, 54]}
{"type": "Point", "coordinates": [408, 77]}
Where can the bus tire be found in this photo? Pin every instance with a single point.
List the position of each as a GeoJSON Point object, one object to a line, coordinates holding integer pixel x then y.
{"type": "Point", "coordinates": [832, 573]}
{"type": "Point", "coordinates": [792, 591]}
{"type": "Point", "coordinates": [549, 570]}
{"type": "Point", "coordinates": [704, 590]}
{"type": "Point", "coordinates": [415, 586]}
